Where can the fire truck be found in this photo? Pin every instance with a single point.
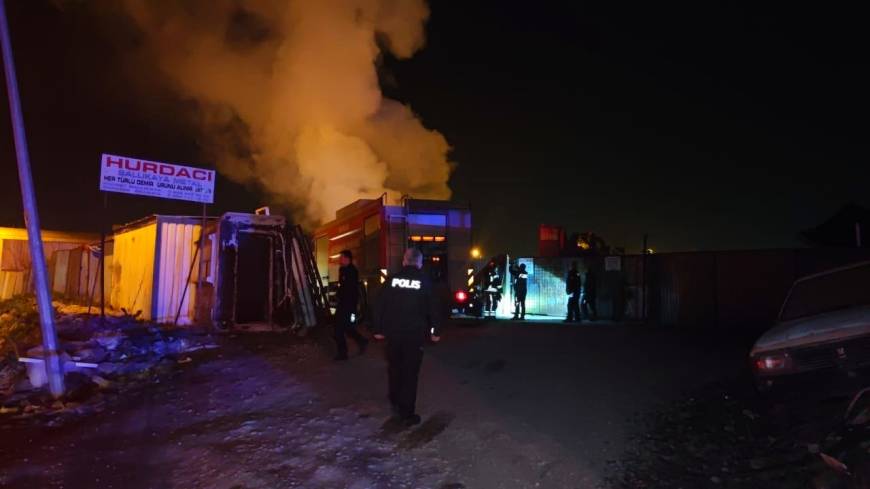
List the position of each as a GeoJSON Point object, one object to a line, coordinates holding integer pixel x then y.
{"type": "Point", "coordinates": [378, 234]}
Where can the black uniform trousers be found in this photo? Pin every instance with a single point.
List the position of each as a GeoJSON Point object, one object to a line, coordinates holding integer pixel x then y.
{"type": "Point", "coordinates": [574, 307]}
{"type": "Point", "coordinates": [404, 356]}
{"type": "Point", "coordinates": [344, 326]}
{"type": "Point", "coordinates": [520, 309]}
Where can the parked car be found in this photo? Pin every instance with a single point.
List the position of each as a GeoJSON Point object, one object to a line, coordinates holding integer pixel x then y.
{"type": "Point", "coordinates": [823, 331]}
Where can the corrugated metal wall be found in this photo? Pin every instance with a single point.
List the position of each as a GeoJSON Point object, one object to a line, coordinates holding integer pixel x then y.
{"type": "Point", "coordinates": [71, 268]}
{"type": "Point", "coordinates": [177, 246]}
{"type": "Point", "coordinates": [546, 285]}
{"type": "Point", "coordinates": [74, 269]}
{"type": "Point", "coordinates": [132, 270]}
{"type": "Point", "coordinates": [730, 289]}
{"type": "Point", "coordinates": [547, 295]}
{"type": "Point", "coordinates": [89, 277]}
{"type": "Point", "coordinates": [13, 283]}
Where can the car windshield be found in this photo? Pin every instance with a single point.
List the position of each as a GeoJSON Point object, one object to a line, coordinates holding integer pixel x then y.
{"type": "Point", "coordinates": [830, 292]}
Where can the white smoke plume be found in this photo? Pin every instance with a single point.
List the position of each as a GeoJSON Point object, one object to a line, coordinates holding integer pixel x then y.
{"type": "Point", "coordinates": [289, 98]}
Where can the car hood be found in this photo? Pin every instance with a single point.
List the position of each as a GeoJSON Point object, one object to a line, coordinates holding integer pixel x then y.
{"type": "Point", "coordinates": [820, 328]}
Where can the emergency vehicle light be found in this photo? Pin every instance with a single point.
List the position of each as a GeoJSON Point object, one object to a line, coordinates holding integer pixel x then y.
{"type": "Point", "coordinates": [461, 296]}
{"type": "Point", "coordinates": [437, 239]}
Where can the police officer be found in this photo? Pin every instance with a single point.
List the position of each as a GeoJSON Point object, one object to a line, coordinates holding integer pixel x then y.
{"type": "Point", "coordinates": [573, 286]}
{"type": "Point", "coordinates": [521, 279]}
{"type": "Point", "coordinates": [406, 316]}
{"type": "Point", "coordinates": [347, 298]}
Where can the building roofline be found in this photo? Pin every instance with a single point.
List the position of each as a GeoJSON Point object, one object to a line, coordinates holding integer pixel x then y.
{"type": "Point", "coordinates": [48, 235]}
{"type": "Point", "coordinates": [153, 218]}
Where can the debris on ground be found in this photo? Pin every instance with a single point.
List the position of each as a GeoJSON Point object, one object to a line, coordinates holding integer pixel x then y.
{"type": "Point", "coordinates": [246, 419]}
{"type": "Point", "coordinates": [101, 359]}
{"type": "Point", "coordinates": [19, 323]}
{"type": "Point", "coordinates": [725, 436]}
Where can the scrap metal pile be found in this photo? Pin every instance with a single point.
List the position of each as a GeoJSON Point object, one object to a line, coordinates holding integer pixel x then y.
{"type": "Point", "coordinates": [101, 361]}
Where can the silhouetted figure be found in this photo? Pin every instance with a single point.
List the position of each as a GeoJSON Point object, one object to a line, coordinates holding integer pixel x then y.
{"type": "Point", "coordinates": [573, 287]}
{"type": "Point", "coordinates": [406, 316]}
{"type": "Point", "coordinates": [492, 292]}
{"type": "Point", "coordinates": [521, 280]}
{"type": "Point", "coordinates": [589, 296]}
{"type": "Point", "coordinates": [347, 299]}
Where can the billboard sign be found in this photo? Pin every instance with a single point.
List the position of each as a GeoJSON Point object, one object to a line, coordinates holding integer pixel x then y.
{"type": "Point", "coordinates": [155, 179]}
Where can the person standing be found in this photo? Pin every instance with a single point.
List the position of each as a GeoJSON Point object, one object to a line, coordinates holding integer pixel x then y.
{"type": "Point", "coordinates": [347, 299]}
{"type": "Point", "coordinates": [573, 285]}
{"type": "Point", "coordinates": [492, 291]}
{"type": "Point", "coordinates": [406, 317]}
{"type": "Point", "coordinates": [521, 281]}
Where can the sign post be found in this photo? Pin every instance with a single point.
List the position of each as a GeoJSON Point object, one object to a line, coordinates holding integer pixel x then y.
{"type": "Point", "coordinates": [53, 365]}
{"type": "Point", "coordinates": [103, 225]}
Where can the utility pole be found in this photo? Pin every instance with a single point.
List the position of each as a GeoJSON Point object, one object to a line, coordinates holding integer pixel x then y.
{"type": "Point", "coordinates": [53, 365]}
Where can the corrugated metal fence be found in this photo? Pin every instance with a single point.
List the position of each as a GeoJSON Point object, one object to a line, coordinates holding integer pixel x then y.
{"type": "Point", "coordinates": [73, 269]}
{"type": "Point", "coordinates": [726, 289]}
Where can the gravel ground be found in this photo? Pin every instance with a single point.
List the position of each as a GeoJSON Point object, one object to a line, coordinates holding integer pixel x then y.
{"type": "Point", "coordinates": [505, 405]}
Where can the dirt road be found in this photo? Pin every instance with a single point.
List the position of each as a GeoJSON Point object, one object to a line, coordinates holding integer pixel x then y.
{"type": "Point", "coordinates": [505, 405]}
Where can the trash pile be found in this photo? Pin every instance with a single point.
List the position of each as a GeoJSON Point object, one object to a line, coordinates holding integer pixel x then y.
{"type": "Point", "coordinates": [722, 437]}
{"type": "Point", "coordinates": [19, 323]}
{"type": "Point", "coordinates": [100, 361]}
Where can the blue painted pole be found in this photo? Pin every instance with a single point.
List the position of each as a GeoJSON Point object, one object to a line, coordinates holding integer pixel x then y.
{"type": "Point", "coordinates": [53, 364]}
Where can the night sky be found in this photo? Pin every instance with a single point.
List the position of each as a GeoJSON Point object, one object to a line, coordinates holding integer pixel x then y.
{"type": "Point", "coordinates": [710, 125]}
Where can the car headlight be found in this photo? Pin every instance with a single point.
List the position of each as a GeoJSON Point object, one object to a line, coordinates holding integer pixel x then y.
{"type": "Point", "coordinates": [773, 363]}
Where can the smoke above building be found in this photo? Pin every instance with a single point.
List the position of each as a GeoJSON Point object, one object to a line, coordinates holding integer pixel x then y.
{"type": "Point", "coordinates": [288, 96]}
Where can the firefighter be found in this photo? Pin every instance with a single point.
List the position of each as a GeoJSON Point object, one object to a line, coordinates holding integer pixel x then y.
{"type": "Point", "coordinates": [573, 287]}
{"type": "Point", "coordinates": [492, 290]}
{"type": "Point", "coordinates": [589, 297]}
{"type": "Point", "coordinates": [521, 279]}
{"type": "Point", "coordinates": [347, 299]}
{"type": "Point", "coordinates": [406, 316]}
